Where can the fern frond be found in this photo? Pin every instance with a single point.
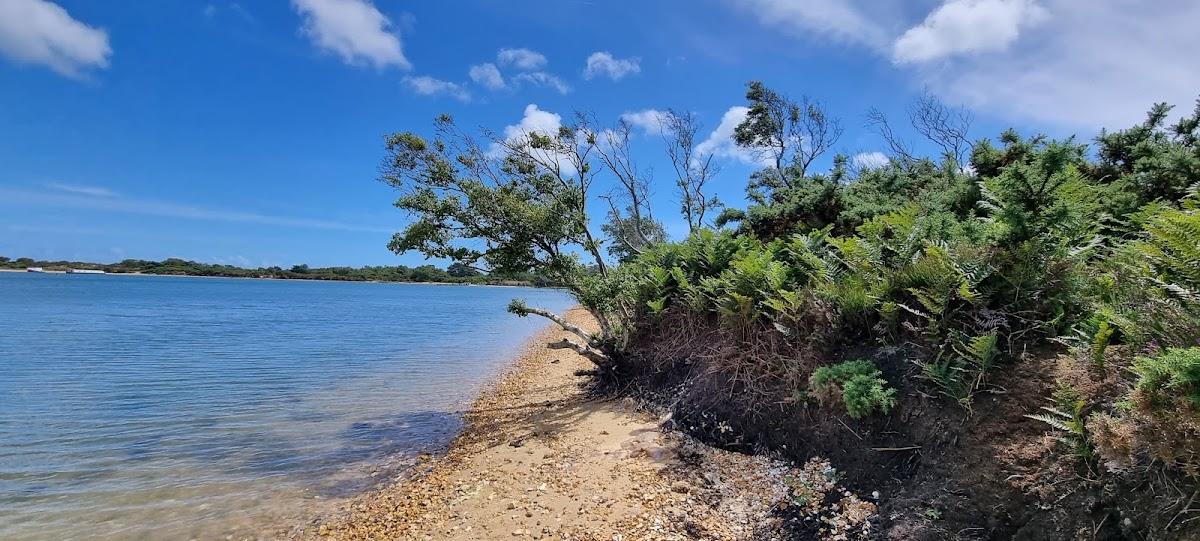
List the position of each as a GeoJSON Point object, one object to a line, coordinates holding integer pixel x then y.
{"type": "Point", "coordinates": [1051, 420]}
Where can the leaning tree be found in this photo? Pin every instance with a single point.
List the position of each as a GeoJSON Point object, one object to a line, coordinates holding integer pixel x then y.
{"type": "Point", "coordinates": [512, 202]}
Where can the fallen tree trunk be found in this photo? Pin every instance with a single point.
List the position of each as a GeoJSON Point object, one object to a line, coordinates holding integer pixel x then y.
{"type": "Point", "coordinates": [594, 355]}
{"type": "Point", "coordinates": [521, 309]}
{"type": "Point", "coordinates": [591, 346]}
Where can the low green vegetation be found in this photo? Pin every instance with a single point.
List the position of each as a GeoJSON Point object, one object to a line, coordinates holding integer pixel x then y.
{"type": "Point", "coordinates": [942, 272]}
{"type": "Point", "coordinates": [454, 273]}
{"type": "Point", "coordinates": [859, 385]}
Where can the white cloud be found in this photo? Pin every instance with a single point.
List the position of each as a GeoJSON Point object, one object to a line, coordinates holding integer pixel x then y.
{"type": "Point", "coordinates": [522, 59]}
{"type": "Point", "coordinates": [541, 78]}
{"type": "Point", "coordinates": [1100, 64]}
{"type": "Point", "coordinates": [58, 198]}
{"type": "Point", "coordinates": [429, 86]}
{"type": "Point", "coordinates": [80, 189]}
{"type": "Point", "coordinates": [213, 11]}
{"type": "Point", "coordinates": [720, 142]}
{"type": "Point", "coordinates": [648, 120]}
{"type": "Point", "coordinates": [603, 63]}
{"type": "Point", "coordinates": [527, 62]}
{"type": "Point", "coordinates": [42, 32]}
{"type": "Point", "coordinates": [534, 120]}
{"type": "Point", "coordinates": [354, 30]}
{"type": "Point", "coordinates": [968, 26]}
{"type": "Point", "coordinates": [870, 160]}
{"type": "Point", "coordinates": [842, 20]}
{"type": "Point", "coordinates": [1056, 63]}
{"type": "Point", "coordinates": [487, 75]}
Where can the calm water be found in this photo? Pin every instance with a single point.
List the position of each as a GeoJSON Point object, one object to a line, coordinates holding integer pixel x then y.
{"type": "Point", "coordinates": [176, 408]}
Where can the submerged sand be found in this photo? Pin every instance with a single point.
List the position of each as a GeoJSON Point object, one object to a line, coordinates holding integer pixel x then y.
{"type": "Point", "coordinates": [541, 458]}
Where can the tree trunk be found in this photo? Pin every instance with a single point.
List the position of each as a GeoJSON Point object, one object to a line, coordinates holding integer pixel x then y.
{"type": "Point", "coordinates": [567, 326]}
{"type": "Point", "coordinates": [593, 355]}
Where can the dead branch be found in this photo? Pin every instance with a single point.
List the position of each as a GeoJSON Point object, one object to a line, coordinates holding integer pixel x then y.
{"type": "Point", "coordinates": [945, 126]}
{"type": "Point", "coordinates": [593, 355]}
{"type": "Point", "coordinates": [523, 310]}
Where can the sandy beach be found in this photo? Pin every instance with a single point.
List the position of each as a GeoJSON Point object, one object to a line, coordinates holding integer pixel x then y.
{"type": "Point", "coordinates": [541, 458]}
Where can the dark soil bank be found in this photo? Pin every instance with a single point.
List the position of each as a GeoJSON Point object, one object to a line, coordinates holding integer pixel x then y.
{"type": "Point", "coordinates": [943, 471]}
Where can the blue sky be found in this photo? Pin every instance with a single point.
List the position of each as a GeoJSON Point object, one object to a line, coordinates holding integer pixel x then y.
{"type": "Point", "coordinates": [251, 133]}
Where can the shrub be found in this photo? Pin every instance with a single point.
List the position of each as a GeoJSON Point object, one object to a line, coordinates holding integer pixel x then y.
{"type": "Point", "coordinates": [964, 269]}
{"type": "Point", "coordinates": [1168, 376]}
{"type": "Point", "coordinates": [1129, 441]}
{"type": "Point", "coordinates": [1154, 422]}
{"type": "Point", "coordinates": [860, 385]}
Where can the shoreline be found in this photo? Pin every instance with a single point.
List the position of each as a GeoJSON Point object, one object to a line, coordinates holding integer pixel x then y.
{"type": "Point", "coordinates": [271, 279]}
{"type": "Point", "coordinates": [539, 457]}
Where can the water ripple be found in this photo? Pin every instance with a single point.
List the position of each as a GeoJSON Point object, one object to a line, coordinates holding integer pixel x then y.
{"type": "Point", "coordinates": [160, 407]}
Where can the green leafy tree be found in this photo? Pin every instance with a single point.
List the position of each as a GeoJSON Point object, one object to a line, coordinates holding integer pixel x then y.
{"type": "Point", "coordinates": [429, 273]}
{"type": "Point", "coordinates": [512, 203]}
{"type": "Point", "coordinates": [459, 270]}
{"type": "Point", "coordinates": [787, 136]}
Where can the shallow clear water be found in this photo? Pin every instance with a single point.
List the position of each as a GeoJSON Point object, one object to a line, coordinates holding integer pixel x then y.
{"type": "Point", "coordinates": [147, 407]}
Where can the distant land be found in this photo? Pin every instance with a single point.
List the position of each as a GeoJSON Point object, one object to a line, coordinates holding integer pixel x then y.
{"type": "Point", "coordinates": [455, 273]}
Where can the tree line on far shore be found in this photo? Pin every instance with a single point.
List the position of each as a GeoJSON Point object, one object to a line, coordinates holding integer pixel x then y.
{"type": "Point", "coordinates": [454, 273]}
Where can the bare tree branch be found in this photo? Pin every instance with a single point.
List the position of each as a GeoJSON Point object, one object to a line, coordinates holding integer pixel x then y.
{"type": "Point", "coordinates": [815, 132]}
{"type": "Point", "coordinates": [947, 127]}
{"type": "Point", "coordinates": [613, 149]}
{"type": "Point", "coordinates": [793, 134]}
{"type": "Point", "coordinates": [879, 123]}
{"type": "Point", "coordinates": [597, 357]}
{"type": "Point", "coordinates": [692, 171]}
{"type": "Point", "coordinates": [521, 309]}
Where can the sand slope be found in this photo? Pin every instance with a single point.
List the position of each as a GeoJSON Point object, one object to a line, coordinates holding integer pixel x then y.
{"type": "Point", "coordinates": [540, 459]}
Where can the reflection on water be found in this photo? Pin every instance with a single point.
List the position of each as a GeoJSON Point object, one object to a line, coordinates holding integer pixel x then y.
{"type": "Point", "coordinates": [165, 408]}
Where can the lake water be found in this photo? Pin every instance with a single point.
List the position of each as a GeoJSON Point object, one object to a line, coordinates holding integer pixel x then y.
{"type": "Point", "coordinates": [148, 407]}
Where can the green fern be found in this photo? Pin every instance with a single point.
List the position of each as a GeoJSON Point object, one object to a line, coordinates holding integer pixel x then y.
{"type": "Point", "coordinates": [1172, 373]}
{"type": "Point", "coordinates": [950, 374]}
{"type": "Point", "coordinates": [1067, 415]}
{"type": "Point", "coordinates": [657, 306]}
{"type": "Point", "coordinates": [1100, 341]}
{"type": "Point", "coordinates": [961, 370]}
{"type": "Point", "coordinates": [1172, 246]}
{"type": "Point", "coordinates": [982, 351]}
